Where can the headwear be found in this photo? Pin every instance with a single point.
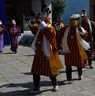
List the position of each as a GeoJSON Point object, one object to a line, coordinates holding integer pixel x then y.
{"type": "Point", "coordinates": [74, 20]}
{"type": "Point", "coordinates": [41, 16]}
{"type": "Point", "coordinates": [13, 22]}
{"type": "Point", "coordinates": [45, 13]}
{"type": "Point", "coordinates": [83, 10]}
{"type": "Point", "coordinates": [75, 16]}
{"type": "Point", "coordinates": [0, 22]}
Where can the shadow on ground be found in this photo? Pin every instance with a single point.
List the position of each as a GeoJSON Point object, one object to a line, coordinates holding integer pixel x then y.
{"type": "Point", "coordinates": [27, 88]}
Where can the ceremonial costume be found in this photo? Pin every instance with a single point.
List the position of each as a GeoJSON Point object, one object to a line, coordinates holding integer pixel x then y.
{"type": "Point", "coordinates": [59, 26]}
{"type": "Point", "coordinates": [73, 47]}
{"type": "Point", "coordinates": [46, 60]}
{"type": "Point", "coordinates": [86, 24]}
{"type": "Point", "coordinates": [14, 33]}
{"type": "Point", "coordinates": [2, 30]}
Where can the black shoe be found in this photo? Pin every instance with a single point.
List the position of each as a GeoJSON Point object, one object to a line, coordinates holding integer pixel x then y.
{"type": "Point", "coordinates": [36, 90]}
{"type": "Point", "coordinates": [0, 51]}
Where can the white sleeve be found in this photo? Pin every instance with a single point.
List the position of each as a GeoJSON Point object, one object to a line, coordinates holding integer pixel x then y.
{"type": "Point", "coordinates": [43, 25]}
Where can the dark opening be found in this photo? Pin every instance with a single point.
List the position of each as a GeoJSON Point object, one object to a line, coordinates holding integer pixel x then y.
{"type": "Point", "coordinates": [16, 9]}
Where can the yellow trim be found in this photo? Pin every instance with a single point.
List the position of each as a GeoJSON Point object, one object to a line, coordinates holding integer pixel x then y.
{"type": "Point", "coordinates": [82, 51]}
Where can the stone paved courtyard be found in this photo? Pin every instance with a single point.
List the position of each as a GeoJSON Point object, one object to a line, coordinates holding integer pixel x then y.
{"type": "Point", "coordinates": [16, 80]}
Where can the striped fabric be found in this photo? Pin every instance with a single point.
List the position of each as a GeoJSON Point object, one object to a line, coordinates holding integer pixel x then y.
{"type": "Point", "coordinates": [73, 58]}
{"type": "Point", "coordinates": [34, 30]}
{"type": "Point", "coordinates": [41, 64]}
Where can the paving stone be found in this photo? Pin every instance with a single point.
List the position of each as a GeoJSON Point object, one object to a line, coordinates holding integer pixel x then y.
{"type": "Point", "coordinates": [16, 79]}
{"type": "Point", "coordinates": [82, 93]}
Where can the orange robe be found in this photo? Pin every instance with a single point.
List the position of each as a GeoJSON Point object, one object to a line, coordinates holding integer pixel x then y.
{"type": "Point", "coordinates": [59, 28]}
{"type": "Point", "coordinates": [77, 56]}
{"type": "Point", "coordinates": [42, 65]}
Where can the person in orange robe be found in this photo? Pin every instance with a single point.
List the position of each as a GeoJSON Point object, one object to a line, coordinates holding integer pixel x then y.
{"type": "Point", "coordinates": [46, 60]}
{"type": "Point", "coordinates": [73, 47]}
{"type": "Point", "coordinates": [58, 26]}
{"type": "Point", "coordinates": [86, 24]}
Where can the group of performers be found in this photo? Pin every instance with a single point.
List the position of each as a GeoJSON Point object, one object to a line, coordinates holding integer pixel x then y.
{"type": "Point", "coordinates": [13, 31]}
{"type": "Point", "coordinates": [75, 40]}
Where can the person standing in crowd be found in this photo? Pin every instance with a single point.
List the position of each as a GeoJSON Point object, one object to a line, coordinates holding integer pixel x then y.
{"type": "Point", "coordinates": [73, 47]}
{"type": "Point", "coordinates": [2, 30]}
{"type": "Point", "coordinates": [93, 34]}
{"type": "Point", "coordinates": [58, 26]}
{"type": "Point", "coordinates": [86, 24]}
{"type": "Point", "coordinates": [14, 33]}
{"type": "Point", "coordinates": [46, 60]}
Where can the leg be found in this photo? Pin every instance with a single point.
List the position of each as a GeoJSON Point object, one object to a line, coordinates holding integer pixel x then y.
{"type": "Point", "coordinates": [54, 83]}
{"type": "Point", "coordinates": [90, 63]}
{"type": "Point", "coordinates": [36, 81]}
{"type": "Point", "coordinates": [69, 72]}
{"type": "Point", "coordinates": [79, 72]}
{"type": "Point", "coordinates": [89, 54]}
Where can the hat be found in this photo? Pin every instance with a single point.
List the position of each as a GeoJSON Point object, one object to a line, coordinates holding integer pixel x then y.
{"type": "Point", "coordinates": [83, 10]}
{"type": "Point", "coordinates": [45, 13]}
{"type": "Point", "coordinates": [13, 22]}
{"type": "Point", "coordinates": [0, 22]}
{"type": "Point", "coordinates": [75, 16]}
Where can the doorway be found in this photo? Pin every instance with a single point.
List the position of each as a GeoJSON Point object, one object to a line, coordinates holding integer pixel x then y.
{"type": "Point", "coordinates": [15, 9]}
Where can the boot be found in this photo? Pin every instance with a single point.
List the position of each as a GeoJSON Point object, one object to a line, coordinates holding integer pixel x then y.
{"type": "Point", "coordinates": [69, 73]}
{"type": "Point", "coordinates": [36, 81]}
{"type": "Point", "coordinates": [80, 73]}
{"type": "Point", "coordinates": [54, 83]}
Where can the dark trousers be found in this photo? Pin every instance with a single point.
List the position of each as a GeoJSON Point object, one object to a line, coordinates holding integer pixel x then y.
{"type": "Point", "coordinates": [36, 80]}
{"type": "Point", "coordinates": [90, 61]}
{"type": "Point", "coordinates": [69, 72]}
{"type": "Point", "coordinates": [88, 52]}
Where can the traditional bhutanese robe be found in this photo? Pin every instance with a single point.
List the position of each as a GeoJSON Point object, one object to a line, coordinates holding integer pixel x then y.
{"type": "Point", "coordinates": [93, 33]}
{"type": "Point", "coordinates": [86, 24]}
{"type": "Point", "coordinates": [14, 32]}
{"type": "Point", "coordinates": [1, 38]}
{"type": "Point", "coordinates": [34, 28]}
{"type": "Point", "coordinates": [42, 64]}
{"type": "Point", "coordinates": [76, 55]}
{"type": "Point", "coordinates": [59, 28]}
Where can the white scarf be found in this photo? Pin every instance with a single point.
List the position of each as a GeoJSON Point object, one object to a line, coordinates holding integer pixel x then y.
{"type": "Point", "coordinates": [34, 41]}
{"type": "Point", "coordinates": [64, 41]}
{"type": "Point", "coordinates": [83, 43]}
{"type": "Point", "coordinates": [45, 45]}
